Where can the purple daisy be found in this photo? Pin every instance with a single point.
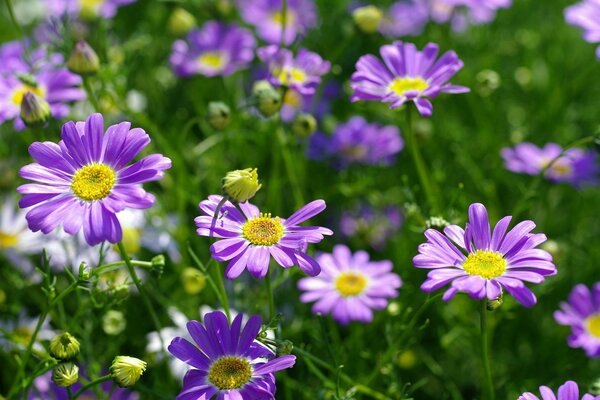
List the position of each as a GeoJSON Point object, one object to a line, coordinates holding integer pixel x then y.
{"type": "Point", "coordinates": [407, 17]}
{"type": "Point", "coordinates": [350, 286]}
{"type": "Point", "coordinates": [358, 142]}
{"type": "Point", "coordinates": [301, 73]}
{"type": "Point", "coordinates": [582, 313]}
{"type": "Point", "coordinates": [227, 360]}
{"type": "Point", "coordinates": [481, 263]}
{"type": "Point", "coordinates": [568, 391]}
{"type": "Point", "coordinates": [216, 49]}
{"type": "Point", "coordinates": [406, 74]}
{"type": "Point", "coordinates": [250, 240]}
{"type": "Point", "coordinates": [83, 181]}
{"type": "Point", "coordinates": [586, 15]}
{"type": "Point", "coordinates": [266, 16]}
{"type": "Point", "coordinates": [85, 8]}
{"type": "Point", "coordinates": [45, 389]}
{"type": "Point", "coordinates": [575, 166]}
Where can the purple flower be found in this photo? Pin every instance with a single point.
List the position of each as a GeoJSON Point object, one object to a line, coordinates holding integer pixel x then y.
{"type": "Point", "coordinates": [374, 225]}
{"type": "Point", "coordinates": [227, 360]}
{"type": "Point", "coordinates": [481, 263]}
{"type": "Point", "coordinates": [301, 73]}
{"type": "Point", "coordinates": [575, 166]}
{"type": "Point", "coordinates": [460, 13]}
{"type": "Point", "coordinates": [406, 74]}
{"type": "Point", "coordinates": [83, 181]}
{"type": "Point", "coordinates": [250, 240]}
{"type": "Point", "coordinates": [266, 16]}
{"type": "Point", "coordinates": [568, 391]}
{"type": "Point", "coordinates": [45, 389]}
{"type": "Point", "coordinates": [582, 313]}
{"type": "Point", "coordinates": [216, 49]}
{"type": "Point", "coordinates": [85, 8]}
{"type": "Point", "coordinates": [586, 15]}
{"type": "Point", "coordinates": [407, 17]}
{"type": "Point", "coordinates": [12, 59]}
{"type": "Point", "coordinates": [350, 286]}
{"type": "Point", "coordinates": [358, 141]}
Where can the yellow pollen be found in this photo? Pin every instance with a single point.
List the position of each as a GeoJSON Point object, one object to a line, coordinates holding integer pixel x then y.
{"type": "Point", "coordinates": [263, 230]}
{"type": "Point", "coordinates": [402, 85]}
{"type": "Point", "coordinates": [17, 95]}
{"type": "Point", "coordinates": [350, 283]}
{"type": "Point", "coordinates": [212, 59]}
{"type": "Point", "coordinates": [229, 373]}
{"type": "Point", "coordinates": [7, 240]}
{"type": "Point", "coordinates": [561, 169]}
{"type": "Point", "coordinates": [93, 182]}
{"type": "Point", "coordinates": [289, 75]}
{"type": "Point", "coordinates": [485, 263]}
{"type": "Point", "coordinates": [593, 325]}
{"type": "Point", "coordinates": [277, 17]}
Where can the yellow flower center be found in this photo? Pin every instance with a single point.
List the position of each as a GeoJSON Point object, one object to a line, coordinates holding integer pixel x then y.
{"type": "Point", "coordinates": [292, 99]}
{"type": "Point", "coordinates": [289, 75]}
{"type": "Point", "coordinates": [350, 283]}
{"type": "Point", "coordinates": [7, 240]}
{"type": "Point", "coordinates": [17, 95]}
{"type": "Point", "coordinates": [402, 85]}
{"type": "Point", "coordinates": [229, 373]}
{"type": "Point", "coordinates": [212, 59]}
{"type": "Point", "coordinates": [355, 153]}
{"type": "Point", "coordinates": [277, 17]}
{"type": "Point", "coordinates": [263, 230]}
{"type": "Point", "coordinates": [593, 325]}
{"type": "Point", "coordinates": [93, 182]}
{"type": "Point", "coordinates": [561, 169]}
{"type": "Point", "coordinates": [485, 263]}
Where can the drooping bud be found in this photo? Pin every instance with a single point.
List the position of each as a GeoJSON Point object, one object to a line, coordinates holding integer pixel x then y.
{"type": "Point", "coordinates": [64, 346]}
{"type": "Point", "coordinates": [241, 184]}
{"type": "Point", "coordinates": [34, 109]}
{"type": "Point", "coordinates": [495, 304]}
{"type": "Point", "coordinates": [266, 98]}
{"type": "Point", "coordinates": [367, 18]}
{"type": "Point", "coordinates": [65, 374]}
{"type": "Point", "coordinates": [193, 280]}
{"type": "Point", "coordinates": [219, 115]}
{"type": "Point", "coordinates": [180, 22]}
{"type": "Point", "coordinates": [304, 125]}
{"type": "Point", "coordinates": [83, 59]}
{"type": "Point", "coordinates": [126, 371]}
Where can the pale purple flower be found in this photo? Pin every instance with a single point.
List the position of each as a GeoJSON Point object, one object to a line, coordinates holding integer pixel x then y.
{"type": "Point", "coordinates": [84, 180]}
{"type": "Point", "coordinates": [215, 49]}
{"type": "Point", "coordinates": [576, 166]}
{"type": "Point", "coordinates": [405, 17]}
{"type": "Point", "coordinates": [582, 313]}
{"type": "Point", "coordinates": [568, 391]}
{"type": "Point", "coordinates": [350, 286]}
{"type": "Point", "coordinates": [267, 18]}
{"type": "Point", "coordinates": [250, 240]}
{"type": "Point", "coordinates": [586, 15]}
{"type": "Point", "coordinates": [85, 8]}
{"type": "Point", "coordinates": [373, 225]}
{"type": "Point", "coordinates": [12, 58]}
{"type": "Point", "coordinates": [406, 74]}
{"type": "Point", "coordinates": [461, 13]}
{"type": "Point", "coordinates": [483, 263]}
{"type": "Point", "coordinates": [301, 73]}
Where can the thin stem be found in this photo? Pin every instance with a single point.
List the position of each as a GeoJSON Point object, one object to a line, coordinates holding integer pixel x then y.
{"type": "Point", "coordinates": [219, 291]}
{"type": "Point", "coordinates": [140, 288]}
{"type": "Point", "coordinates": [92, 383]}
{"type": "Point", "coordinates": [270, 295]}
{"type": "Point", "coordinates": [221, 285]}
{"type": "Point", "coordinates": [289, 167]}
{"type": "Point", "coordinates": [70, 393]}
{"type": "Point", "coordinates": [115, 265]}
{"type": "Point", "coordinates": [90, 93]}
{"type": "Point", "coordinates": [489, 384]}
{"type": "Point", "coordinates": [13, 17]}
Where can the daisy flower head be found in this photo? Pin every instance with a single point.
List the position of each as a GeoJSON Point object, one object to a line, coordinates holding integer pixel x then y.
{"type": "Point", "coordinates": [406, 74]}
{"type": "Point", "coordinates": [575, 166]}
{"type": "Point", "coordinates": [249, 240]}
{"type": "Point", "coordinates": [586, 15]}
{"type": "Point", "coordinates": [87, 9]}
{"type": "Point", "coordinates": [267, 17]}
{"type": "Point", "coordinates": [217, 49]}
{"type": "Point", "coordinates": [582, 313]}
{"type": "Point", "coordinates": [301, 73]}
{"type": "Point", "coordinates": [568, 391]}
{"type": "Point", "coordinates": [84, 181]}
{"type": "Point", "coordinates": [350, 286]}
{"type": "Point", "coordinates": [483, 263]}
{"type": "Point", "coordinates": [227, 360]}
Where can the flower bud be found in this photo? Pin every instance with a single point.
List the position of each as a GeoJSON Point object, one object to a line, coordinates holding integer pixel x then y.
{"type": "Point", "coordinates": [241, 184]}
{"type": "Point", "coordinates": [285, 347]}
{"type": "Point", "coordinates": [34, 109]}
{"type": "Point", "coordinates": [595, 388]}
{"type": "Point", "coordinates": [495, 304]}
{"type": "Point", "coordinates": [407, 359]}
{"type": "Point", "coordinates": [219, 115]}
{"type": "Point", "coordinates": [158, 264]}
{"type": "Point", "coordinates": [304, 125]}
{"type": "Point", "coordinates": [438, 223]}
{"type": "Point", "coordinates": [64, 346]}
{"type": "Point", "coordinates": [132, 239]}
{"type": "Point", "coordinates": [113, 322]}
{"type": "Point", "coordinates": [83, 59]}
{"type": "Point", "coordinates": [180, 22]}
{"type": "Point", "coordinates": [266, 99]}
{"type": "Point", "coordinates": [367, 18]}
{"type": "Point", "coordinates": [126, 371]}
{"type": "Point", "coordinates": [65, 374]}
{"type": "Point", "coordinates": [193, 280]}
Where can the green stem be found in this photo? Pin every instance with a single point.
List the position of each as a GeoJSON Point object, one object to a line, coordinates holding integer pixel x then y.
{"type": "Point", "coordinates": [13, 17]}
{"type": "Point", "coordinates": [219, 291]}
{"type": "Point", "coordinates": [270, 296]}
{"type": "Point", "coordinates": [140, 288]}
{"type": "Point", "coordinates": [70, 393]}
{"type": "Point", "coordinates": [92, 383]}
{"type": "Point", "coordinates": [489, 384]}
{"type": "Point", "coordinates": [115, 265]}
{"type": "Point", "coordinates": [90, 94]}
{"type": "Point", "coordinates": [289, 167]}
{"type": "Point", "coordinates": [221, 287]}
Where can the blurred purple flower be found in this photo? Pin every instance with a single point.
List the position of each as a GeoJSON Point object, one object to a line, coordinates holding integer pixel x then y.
{"type": "Point", "coordinates": [461, 13]}
{"type": "Point", "coordinates": [483, 263]}
{"type": "Point", "coordinates": [576, 166]}
{"type": "Point", "coordinates": [568, 391]}
{"type": "Point", "coordinates": [84, 8]}
{"type": "Point", "coordinates": [582, 313]}
{"type": "Point", "coordinates": [586, 15]}
{"type": "Point", "coordinates": [406, 17]}
{"type": "Point", "coordinates": [45, 389]}
{"type": "Point", "coordinates": [374, 225]}
{"type": "Point", "coordinates": [216, 49]}
{"type": "Point", "coordinates": [350, 286]}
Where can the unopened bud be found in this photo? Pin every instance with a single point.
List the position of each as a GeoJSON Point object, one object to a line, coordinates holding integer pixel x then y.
{"type": "Point", "coordinates": [158, 264]}
{"type": "Point", "coordinates": [437, 223]}
{"type": "Point", "coordinates": [266, 99]}
{"type": "Point", "coordinates": [304, 125]}
{"type": "Point", "coordinates": [64, 346]}
{"type": "Point", "coordinates": [284, 348]}
{"type": "Point", "coordinates": [113, 322]}
{"type": "Point", "coordinates": [126, 371]}
{"type": "Point", "coordinates": [495, 304]}
{"type": "Point", "coordinates": [65, 374]}
{"type": "Point", "coordinates": [83, 59]}
{"type": "Point", "coordinates": [367, 18]}
{"type": "Point", "coordinates": [34, 109]}
{"type": "Point", "coordinates": [219, 115]}
{"type": "Point", "coordinates": [241, 184]}
{"type": "Point", "coordinates": [180, 22]}
{"type": "Point", "coordinates": [193, 280]}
